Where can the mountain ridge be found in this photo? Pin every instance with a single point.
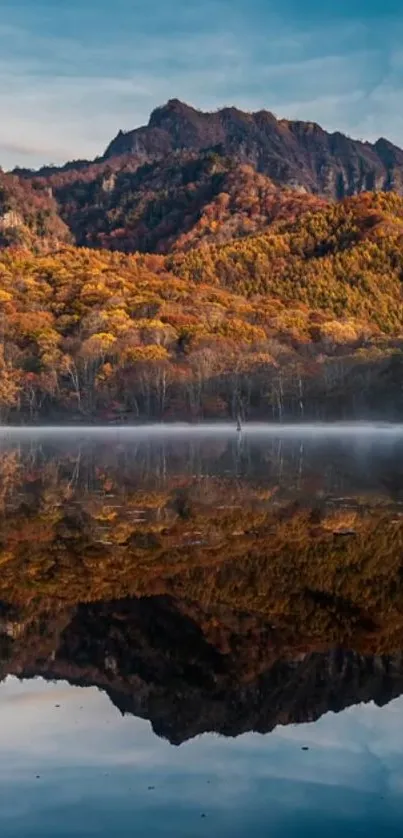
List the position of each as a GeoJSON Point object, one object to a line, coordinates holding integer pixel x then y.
{"type": "Point", "coordinates": [300, 154]}
{"type": "Point", "coordinates": [283, 149]}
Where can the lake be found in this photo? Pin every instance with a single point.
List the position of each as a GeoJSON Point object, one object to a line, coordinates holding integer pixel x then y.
{"type": "Point", "coordinates": [201, 631]}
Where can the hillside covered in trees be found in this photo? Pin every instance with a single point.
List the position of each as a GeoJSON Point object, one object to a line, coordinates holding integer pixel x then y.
{"type": "Point", "coordinates": [172, 203]}
{"type": "Point", "coordinates": [304, 321]}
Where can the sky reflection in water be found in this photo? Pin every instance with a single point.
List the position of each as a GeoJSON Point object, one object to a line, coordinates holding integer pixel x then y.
{"type": "Point", "coordinates": [82, 769]}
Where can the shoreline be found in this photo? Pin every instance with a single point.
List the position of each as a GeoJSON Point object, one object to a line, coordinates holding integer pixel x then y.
{"type": "Point", "coordinates": [173, 428]}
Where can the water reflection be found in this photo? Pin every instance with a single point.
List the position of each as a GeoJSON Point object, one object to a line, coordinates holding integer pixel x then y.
{"type": "Point", "coordinates": [204, 582]}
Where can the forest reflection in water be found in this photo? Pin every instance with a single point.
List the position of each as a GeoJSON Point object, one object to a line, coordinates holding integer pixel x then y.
{"type": "Point", "coordinates": [259, 577]}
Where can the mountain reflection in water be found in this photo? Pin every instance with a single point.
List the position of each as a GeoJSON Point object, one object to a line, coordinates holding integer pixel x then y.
{"type": "Point", "coordinates": [206, 582]}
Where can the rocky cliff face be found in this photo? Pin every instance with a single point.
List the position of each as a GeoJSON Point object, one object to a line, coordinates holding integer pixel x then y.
{"type": "Point", "coordinates": [29, 215]}
{"type": "Point", "coordinates": [297, 154]}
{"type": "Point", "coordinates": [190, 671]}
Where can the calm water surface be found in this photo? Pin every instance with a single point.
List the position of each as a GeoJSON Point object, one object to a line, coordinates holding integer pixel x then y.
{"type": "Point", "coordinates": [201, 632]}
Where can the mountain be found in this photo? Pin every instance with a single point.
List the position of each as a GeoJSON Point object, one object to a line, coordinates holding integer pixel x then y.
{"type": "Point", "coordinates": [191, 177]}
{"type": "Point", "coordinates": [249, 291]}
{"type": "Point", "coordinates": [298, 154]}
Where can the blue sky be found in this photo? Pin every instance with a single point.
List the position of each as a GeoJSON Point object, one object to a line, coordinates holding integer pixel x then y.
{"type": "Point", "coordinates": [73, 73]}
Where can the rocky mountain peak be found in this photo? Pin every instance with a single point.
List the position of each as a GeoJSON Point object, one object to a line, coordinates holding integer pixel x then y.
{"type": "Point", "coordinates": [296, 154]}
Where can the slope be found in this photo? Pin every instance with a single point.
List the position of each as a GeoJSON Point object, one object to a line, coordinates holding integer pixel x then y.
{"type": "Point", "coordinates": [173, 203]}
{"type": "Point", "coordinates": [345, 259]}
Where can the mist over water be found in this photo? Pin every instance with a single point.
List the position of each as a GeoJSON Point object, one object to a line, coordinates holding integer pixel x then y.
{"type": "Point", "coordinates": [161, 428]}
